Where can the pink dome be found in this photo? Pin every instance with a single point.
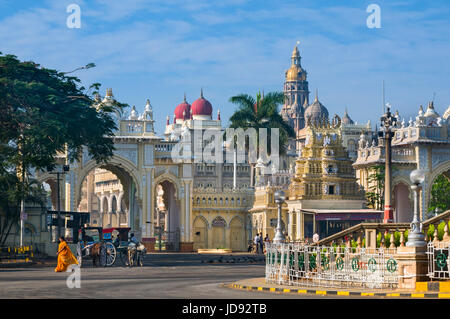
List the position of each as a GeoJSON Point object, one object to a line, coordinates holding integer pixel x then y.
{"type": "Point", "coordinates": [183, 107]}
{"type": "Point", "coordinates": [201, 106]}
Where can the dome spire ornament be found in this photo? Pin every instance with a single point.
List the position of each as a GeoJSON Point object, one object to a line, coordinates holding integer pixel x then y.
{"type": "Point", "coordinates": [201, 108]}
{"type": "Point", "coordinates": [133, 113]}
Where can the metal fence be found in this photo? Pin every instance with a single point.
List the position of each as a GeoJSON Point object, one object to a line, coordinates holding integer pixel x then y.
{"type": "Point", "coordinates": [438, 260]}
{"type": "Point", "coordinates": [168, 241]}
{"type": "Point", "coordinates": [328, 266]}
{"type": "Point", "coordinates": [16, 254]}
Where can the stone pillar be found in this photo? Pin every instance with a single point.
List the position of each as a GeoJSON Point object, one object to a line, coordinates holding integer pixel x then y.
{"type": "Point", "coordinates": [291, 225]}
{"type": "Point", "coordinates": [412, 266]}
{"type": "Point", "coordinates": [371, 238]}
{"type": "Point", "coordinates": [299, 234]}
{"type": "Point", "coordinates": [388, 209]}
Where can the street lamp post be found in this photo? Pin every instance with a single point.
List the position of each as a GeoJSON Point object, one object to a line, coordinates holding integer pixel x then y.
{"type": "Point", "coordinates": [58, 173]}
{"type": "Point", "coordinates": [279, 199]}
{"type": "Point", "coordinates": [416, 237]}
{"type": "Point", "coordinates": [388, 121]}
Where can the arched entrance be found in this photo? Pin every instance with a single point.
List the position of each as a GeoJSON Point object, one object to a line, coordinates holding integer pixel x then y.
{"type": "Point", "coordinates": [110, 192]}
{"type": "Point", "coordinates": [218, 232]}
{"type": "Point", "coordinates": [403, 211]}
{"type": "Point", "coordinates": [167, 216]}
{"type": "Point", "coordinates": [237, 234]}
{"type": "Point", "coordinates": [200, 233]}
{"type": "Point", "coordinates": [168, 207]}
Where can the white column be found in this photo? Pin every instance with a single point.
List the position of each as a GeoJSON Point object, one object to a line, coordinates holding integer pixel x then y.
{"type": "Point", "coordinates": [187, 226]}
{"type": "Point", "coordinates": [299, 224]}
{"type": "Point", "coordinates": [149, 205]}
{"type": "Point", "coordinates": [290, 226]}
{"type": "Point", "coordinates": [234, 168]}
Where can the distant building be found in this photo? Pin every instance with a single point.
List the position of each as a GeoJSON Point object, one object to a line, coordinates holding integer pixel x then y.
{"type": "Point", "coordinates": [421, 143]}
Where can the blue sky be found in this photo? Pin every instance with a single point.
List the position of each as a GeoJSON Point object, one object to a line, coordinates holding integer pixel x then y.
{"type": "Point", "coordinates": [162, 49]}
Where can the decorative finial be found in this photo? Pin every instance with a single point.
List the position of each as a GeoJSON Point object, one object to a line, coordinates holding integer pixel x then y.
{"type": "Point", "coordinates": [184, 96]}
{"type": "Point", "coordinates": [388, 106]}
{"type": "Point", "coordinates": [201, 93]}
{"type": "Point", "coordinates": [218, 114]}
{"type": "Point", "coordinates": [317, 96]}
{"type": "Point", "coordinates": [305, 103]}
{"type": "Point", "coordinates": [168, 119]}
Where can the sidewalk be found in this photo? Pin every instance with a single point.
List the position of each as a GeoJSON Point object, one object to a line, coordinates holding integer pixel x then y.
{"type": "Point", "coordinates": [259, 284]}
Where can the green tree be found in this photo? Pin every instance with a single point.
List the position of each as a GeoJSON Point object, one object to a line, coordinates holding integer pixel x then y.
{"type": "Point", "coordinates": [262, 112]}
{"type": "Point", "coordinates": [43, 112]}
{"type": "Point", "coordinates": [440, 195]}
{"type": "Point", "coordinates": [375, 195]}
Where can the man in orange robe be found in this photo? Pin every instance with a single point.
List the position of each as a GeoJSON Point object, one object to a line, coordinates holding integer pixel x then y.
{"type": "Point", "coordinates": [65, 256]}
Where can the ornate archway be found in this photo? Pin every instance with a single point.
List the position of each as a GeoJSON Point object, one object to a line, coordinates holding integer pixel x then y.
{"type": "Point", "coordinates": [131, 198]}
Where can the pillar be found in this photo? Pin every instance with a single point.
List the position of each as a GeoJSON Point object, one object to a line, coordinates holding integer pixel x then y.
{"type": "Point", "coordinates": [290, 225]}
{"type": "Point", "coordinates": [413, 266]}
{"type": "Point", "coordinates": [299, 225]}
{"type": "Point", "coordinates": [388, 209]}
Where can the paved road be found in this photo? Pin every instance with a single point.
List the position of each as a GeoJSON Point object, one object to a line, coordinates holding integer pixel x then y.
{"type": "Point", "coordinates": [163, 276]}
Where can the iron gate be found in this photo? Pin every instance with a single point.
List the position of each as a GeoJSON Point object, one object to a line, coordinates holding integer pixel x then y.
{"type": "Point", "coordinates": [438, 260]}
{"type": "Point", "coordinates": [168, 240]}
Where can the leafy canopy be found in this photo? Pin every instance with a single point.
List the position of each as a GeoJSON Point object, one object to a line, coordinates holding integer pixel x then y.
{"type": "Point", "coordinates": [43, 112]}
{"type": "Point", "coordinates": [262, 112]}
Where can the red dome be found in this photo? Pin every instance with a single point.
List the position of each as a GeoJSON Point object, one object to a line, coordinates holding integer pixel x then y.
{"type": "Point", "coordinates": [183, 107]}
{"type": "Point", "coordinates": [201, 106]}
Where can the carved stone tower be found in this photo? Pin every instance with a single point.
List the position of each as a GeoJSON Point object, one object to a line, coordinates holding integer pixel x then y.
{"type": "Point", "coordinates": [296, 92]}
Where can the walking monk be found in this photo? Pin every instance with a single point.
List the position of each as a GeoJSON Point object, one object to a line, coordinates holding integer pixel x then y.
{"type": "Point", "coordinates": [65, 256]}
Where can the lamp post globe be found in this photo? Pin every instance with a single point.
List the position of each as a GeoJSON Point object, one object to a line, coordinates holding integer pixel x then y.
{"type": "Point", "coordinates": [416, 237]}
{"type": "Point", "coordinates": [279, 199]}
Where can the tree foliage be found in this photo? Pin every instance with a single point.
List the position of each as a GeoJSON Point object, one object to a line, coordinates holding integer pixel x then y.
{"type": "Point", "coordinates": [262, 112]}
{"type": "Point", "coordinates": [440, 195]}
{"type": "Point", "coordinates": [43, 112]}
{"type": "Point", "coordinates": [375, 195]}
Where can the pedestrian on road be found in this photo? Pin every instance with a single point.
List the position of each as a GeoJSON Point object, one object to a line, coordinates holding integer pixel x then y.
{"type": "Point", "coordinates": [65, 256]}
{"type": "Point", "coordinates": [256, 242]}
{"type": "Point", "coordinates": [261, 243]}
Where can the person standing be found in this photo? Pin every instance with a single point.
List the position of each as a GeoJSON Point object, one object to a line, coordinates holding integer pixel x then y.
{"type": "Point", "coordinates": [65, 256]}
{"type": "Point", "coordinates": [261, 244]}
{"type": "Point", "coordinates": [256, 242]}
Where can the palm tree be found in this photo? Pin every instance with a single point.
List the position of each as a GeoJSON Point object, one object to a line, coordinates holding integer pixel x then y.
{"type": "Point", "coordinates": [262, 112]}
